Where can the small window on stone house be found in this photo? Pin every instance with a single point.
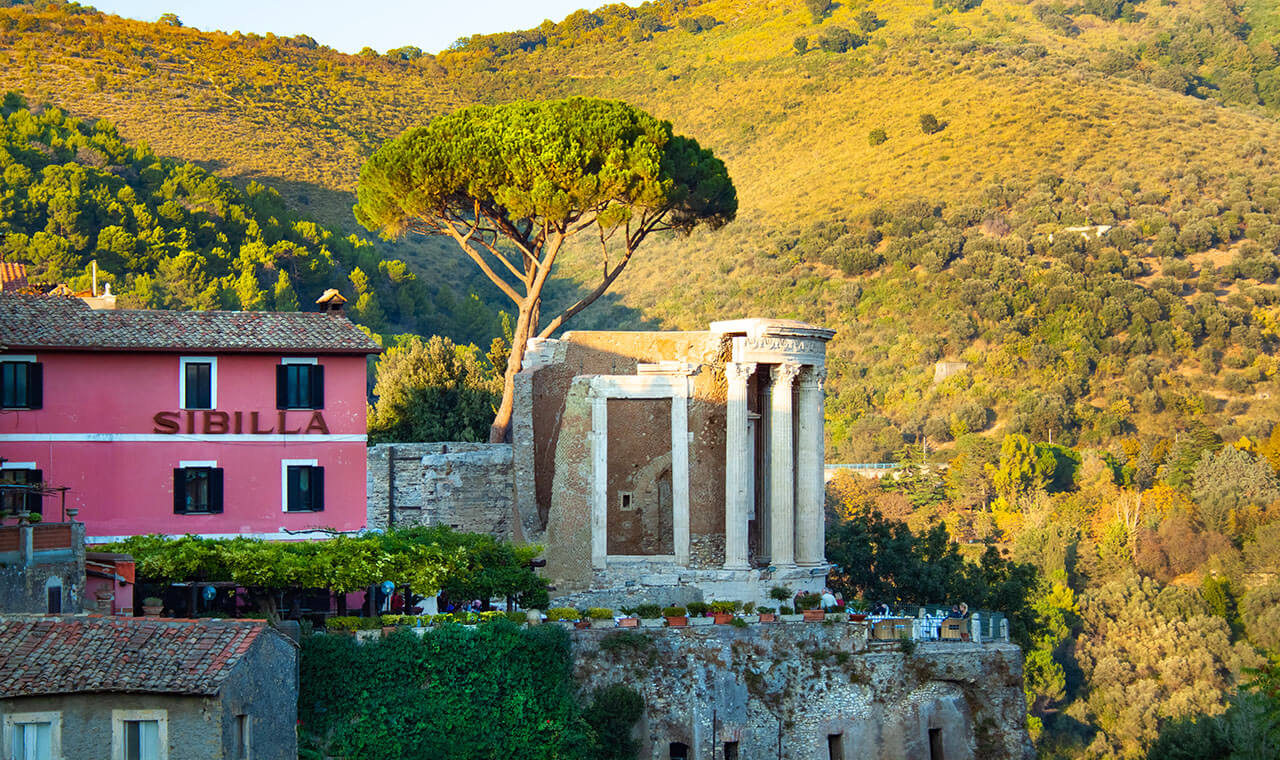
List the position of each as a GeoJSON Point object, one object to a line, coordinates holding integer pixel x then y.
{"type": "Point", "coordinates": [242, 738]}
{"type": "Point", "coordinates": [935, 744]}
{"type": "Point", "coordinates": [53, 594]}
{"type": "Point", "coordinates": [835, 746]}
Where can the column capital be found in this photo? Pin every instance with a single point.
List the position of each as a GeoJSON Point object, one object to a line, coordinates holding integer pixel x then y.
{"type": "Point", "coordinates": [739, 371]}
{"type": "Point", "coordinates": [814, 376]}
{"type": "Point", "coordinates": [785, 372]}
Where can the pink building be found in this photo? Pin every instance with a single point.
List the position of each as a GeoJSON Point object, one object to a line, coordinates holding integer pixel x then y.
{"type": "Point", "coordinates": [212, 423]}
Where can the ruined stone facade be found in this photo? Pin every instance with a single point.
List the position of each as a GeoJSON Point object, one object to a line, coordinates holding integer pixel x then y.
{"type": "Point", "coordinates": [811, 692]}
{"type": "Point", "coordinates": [464, 485]}
{"type": "Point", "coordinates": [675, 459]}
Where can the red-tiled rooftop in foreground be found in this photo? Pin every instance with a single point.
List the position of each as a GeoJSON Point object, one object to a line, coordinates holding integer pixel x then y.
{"type": "Point", "coordinates": [45, 655]}
{"type": "Point", "coordinates": [54, 322]}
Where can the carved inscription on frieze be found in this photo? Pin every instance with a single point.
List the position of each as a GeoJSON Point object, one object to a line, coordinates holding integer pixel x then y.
{"type": "Point", "coordinates": [789, 346]}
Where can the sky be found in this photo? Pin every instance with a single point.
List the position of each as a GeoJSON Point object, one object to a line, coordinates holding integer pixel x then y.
{"type": "Point", "coordinates": [381, 24]}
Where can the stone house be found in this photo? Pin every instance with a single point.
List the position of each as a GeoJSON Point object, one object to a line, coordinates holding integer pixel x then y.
{"type": "Point", "coordinates": [42, 568]}
{"type": "Point", "coordinates": [97, 688]}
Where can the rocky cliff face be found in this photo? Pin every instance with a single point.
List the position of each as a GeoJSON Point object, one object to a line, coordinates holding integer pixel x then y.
{"type": "Point", "coordinates": [812, 692]}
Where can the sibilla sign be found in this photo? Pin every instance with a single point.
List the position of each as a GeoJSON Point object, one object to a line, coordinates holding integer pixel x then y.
{"type": "Point", "coordinates": [213, 422]}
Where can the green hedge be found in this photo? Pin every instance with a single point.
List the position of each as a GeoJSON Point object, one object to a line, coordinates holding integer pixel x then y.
{"type": "Point", "coordinates": [498, 692]}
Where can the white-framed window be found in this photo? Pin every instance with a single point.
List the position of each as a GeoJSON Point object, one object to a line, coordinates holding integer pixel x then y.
{"type": "Point", "coordinates": [139, 735]}
{"type": "Point", "coordinates": [21, 382]}
{"type": "Point", "coordinates": [301, 485]}
{"type": "Point", "coordinates": [198, 382]}
{"type": "Point", "coordinates": [20, 488]}
{"type": "Point", "coordinates": [299, 383]}
{"type": "Point", "coordinates": [32, 736]}
{"type": "Point", "coordinates": [197, 488]}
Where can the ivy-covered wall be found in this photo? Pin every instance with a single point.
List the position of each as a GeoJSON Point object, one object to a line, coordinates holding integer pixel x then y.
{"type": "Point", "coordinates": [497, 691]}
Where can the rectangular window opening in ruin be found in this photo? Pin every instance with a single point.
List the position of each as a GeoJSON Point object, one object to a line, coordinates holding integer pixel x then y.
{"type": "Point", "coordinates": [730, 751]}
{"type": "Point", "coordinates": [835, 746]}
{"type": "Point", "coordinates": [678, 751]}
{"type": "Point", "coordinates": [935, 744]}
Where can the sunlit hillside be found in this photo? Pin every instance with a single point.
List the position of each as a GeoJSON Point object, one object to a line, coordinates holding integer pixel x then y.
{"type": "Point", "coordinates": [904, 190]}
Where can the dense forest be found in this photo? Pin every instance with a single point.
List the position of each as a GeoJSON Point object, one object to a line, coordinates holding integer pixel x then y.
{"type": "Point", "coordinates": [167, 234]}
{"type": "Point", "coordinates": [1048, 233]}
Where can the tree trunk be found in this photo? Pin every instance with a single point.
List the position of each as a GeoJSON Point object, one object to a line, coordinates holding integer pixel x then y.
{"type": "Point", "coordinates": [500, 431]}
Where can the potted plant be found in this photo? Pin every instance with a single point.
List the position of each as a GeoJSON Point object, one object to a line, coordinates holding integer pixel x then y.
{"type": "Point", "coordinates": [152, 606]}
{"type": "Point", "coordinates": [675, 617]}
{"type": "Point", "coordinates": [563, 616]}
{"type": "Point", "coordinates": [628, 619]}
{"type": "Point", "coordinates": [342, 624]}
{"type": "Point", "coordinates": [650, 616]}
{"type": "Point", "coordinates": [368, 628]}
{"type": "Point", "coordinates": [698, 612]}
{"type": "Point", "coordinates": [767, 614]}
{"type": "Point", "coordinates": [600, 617]}
{"type": "Point", "coordinates": [807, 605]}
{"type": "Point", "coordinates": [722, 612]}
{"type": "Point", "coordinates": [788, 615]}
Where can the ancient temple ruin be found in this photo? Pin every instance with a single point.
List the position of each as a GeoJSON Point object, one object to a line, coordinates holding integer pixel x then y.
{"type": "Point", "coordinates": [647, 461]}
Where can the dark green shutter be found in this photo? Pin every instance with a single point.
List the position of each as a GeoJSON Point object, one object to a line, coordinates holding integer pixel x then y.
{"type": "Point", "coordinates": [317, 386]}
{"type": "Point", "coordinates": [35, 500]}
{"type": "Point", "coordinates": [35, 385]}
{"type": "Point", "coordinates": [215, 489]}
{"type": "Point", "coordinates": [282, 386]}
{"type": "Point", "coordinates": [293, 489]}
{"type": "Point", "coordinates": [179, 491]}
{"type": "Point", "coordinates": [317, 489]}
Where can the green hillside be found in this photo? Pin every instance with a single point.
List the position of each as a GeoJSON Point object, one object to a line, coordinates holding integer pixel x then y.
{"type": "Point", "coordinates": [903, 191]}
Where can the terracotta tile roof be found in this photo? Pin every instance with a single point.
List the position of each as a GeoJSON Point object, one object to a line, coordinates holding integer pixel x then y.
{"type": "Point", "coordinates": [68, 323]}
{"type": "Point", "coordinates": [12, 275]}
{"type": "Point", "coordinates": [67, 655]}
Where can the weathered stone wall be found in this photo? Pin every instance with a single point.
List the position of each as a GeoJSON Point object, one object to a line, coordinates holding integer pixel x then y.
{"type": "Point", "coordinates": [782, 691]}
{"type": "Point", "coordinates": [465, 485]}
{"type": "Point", "coordinates": [541, 391]}
{"type": "Point", "coordinates": [265, 687]}
{"type": "Point", "coordinates": [569, 529]}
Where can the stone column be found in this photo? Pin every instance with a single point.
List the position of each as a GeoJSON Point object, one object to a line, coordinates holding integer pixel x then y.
{"type": "Point", "coordinates": [782, 467]}
{"type": "Point", "coordinates": [737, 468]}
{"type": "Point", "coordinates": [810, 523]}
{"type": "Point", "coordinates": [599, 481]}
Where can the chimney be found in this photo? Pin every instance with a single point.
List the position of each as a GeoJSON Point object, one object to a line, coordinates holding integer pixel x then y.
{"type": "Point", "coordinates": [331, 302]}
